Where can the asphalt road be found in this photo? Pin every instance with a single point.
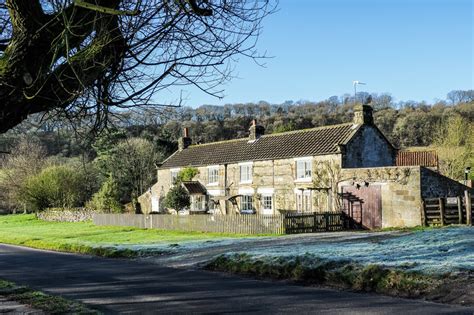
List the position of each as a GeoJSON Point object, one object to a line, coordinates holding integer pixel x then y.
{"type": "Point", "coordinates": [125, 286]}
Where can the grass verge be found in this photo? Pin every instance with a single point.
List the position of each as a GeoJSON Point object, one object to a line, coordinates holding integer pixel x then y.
{"type": "Point", "coordinates": [87, 238]}
{"type": "Point", "coordinates": [309, 269]}
{"type": "Point", "coordinates": [41, 301]}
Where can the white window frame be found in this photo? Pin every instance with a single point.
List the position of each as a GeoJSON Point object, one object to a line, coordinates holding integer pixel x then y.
{"type": "Point", "coordinates": [199, 203]}
{"type": "Point", "coordinates": [265, 208]}
{"type": "Point", "coordinates": [304, 169]}
{"type": "Point", "coordinates": [174, 174]}
{"type": "Point", "coordinates": [212, 179]}
{"type": "Point", "coordinates": [248, 166]}
{"type": "Point", "coordinates": [246, 200]}
{"type": "Point", "coordinates": [303, 201]}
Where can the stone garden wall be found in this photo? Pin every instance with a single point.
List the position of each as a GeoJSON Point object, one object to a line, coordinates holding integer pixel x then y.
{"type": "Point", "coordinates": [68, 215]}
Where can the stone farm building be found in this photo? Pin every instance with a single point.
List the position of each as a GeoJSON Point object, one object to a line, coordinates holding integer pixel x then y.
{"type": "Point", "coordinates": [350, 167]}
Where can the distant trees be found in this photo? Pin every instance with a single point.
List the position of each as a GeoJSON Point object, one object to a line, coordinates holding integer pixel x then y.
{"type": "Point", "coordinates": [460, 96]}
{"type": "Point", "coordinates": [455, 145]}
{"type": "Point", "coordinates": [119, 164]}
{"type": "Point", "coordinates": [27, 158]}
{"type": "Point", "coordinates": [130, 162]}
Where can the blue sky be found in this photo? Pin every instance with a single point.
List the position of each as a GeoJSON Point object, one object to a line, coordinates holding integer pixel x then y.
{"type": "Point", "coordinates": [413, 49]}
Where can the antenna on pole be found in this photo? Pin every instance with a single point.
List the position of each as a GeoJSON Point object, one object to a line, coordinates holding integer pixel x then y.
{"type": "Point", "coordinates": [355, 83]}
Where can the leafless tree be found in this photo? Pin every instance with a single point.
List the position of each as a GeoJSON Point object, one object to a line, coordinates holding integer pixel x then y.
{"type": "Point", "coordinates": [88, 58]}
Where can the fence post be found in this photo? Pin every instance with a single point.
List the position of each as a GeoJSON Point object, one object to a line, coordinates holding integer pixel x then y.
{"type": "Point", "coordinates": [468, 205]}
{"type": "Point", "coordinates": [423, 213]}
{"type": "Point", "coordinates": [441, 210]}
{"type": "Point", "coordinates": [326, 217]}
{"type": "Point", "coordinates": [460, 209]}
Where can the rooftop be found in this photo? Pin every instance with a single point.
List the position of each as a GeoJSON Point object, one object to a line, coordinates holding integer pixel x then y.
{"type": "Point", "coordinates": [307, 142]}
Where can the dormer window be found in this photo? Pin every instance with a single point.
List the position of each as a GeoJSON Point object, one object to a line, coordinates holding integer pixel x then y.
{"type": "Point", "coordinates": [304, 169]}
{"type": "Point", "coordinates": [213, 175]}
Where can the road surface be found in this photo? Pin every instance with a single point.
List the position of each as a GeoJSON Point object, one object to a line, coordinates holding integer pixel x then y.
{"type": "Point", "coordinates": [127, 286]}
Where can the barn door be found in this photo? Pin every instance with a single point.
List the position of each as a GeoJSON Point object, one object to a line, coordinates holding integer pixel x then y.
{"type": "Point", "coordinates": [363, 205]}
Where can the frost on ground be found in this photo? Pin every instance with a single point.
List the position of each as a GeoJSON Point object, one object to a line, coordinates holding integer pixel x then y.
{"type": "Point", "coordinates": [430, 251]}
{"type": "Point", "coordinates": [186, 246]}
{"type": "Point", "coordinates": [440, 250]}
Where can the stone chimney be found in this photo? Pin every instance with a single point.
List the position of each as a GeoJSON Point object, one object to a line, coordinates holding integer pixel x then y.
{"type": "Point", "coordinates": [185, 141]}
{"type": "Point", "coordinates": [363, 115]}
{"type": "Point", "coordinates": [256, 131]}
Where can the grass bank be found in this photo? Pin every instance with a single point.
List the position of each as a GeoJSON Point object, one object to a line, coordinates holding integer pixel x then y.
{"type": "Point", "coordinates": [311, 270]}
{"type": "Point", "coordinates": [41, 301]}
{"type": "Point", "coordinates": [87, 238]}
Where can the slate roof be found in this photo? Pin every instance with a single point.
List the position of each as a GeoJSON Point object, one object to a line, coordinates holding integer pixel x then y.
{"type": "Point", "coordinates": [307, 142]}
{"type": "Point", "coordinates": [194, 188]}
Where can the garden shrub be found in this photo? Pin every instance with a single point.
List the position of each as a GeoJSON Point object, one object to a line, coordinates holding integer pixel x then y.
{"type": "Point", "coordinates": [54, 187]}
{"type": "Point", "coordinates": [107, 198]}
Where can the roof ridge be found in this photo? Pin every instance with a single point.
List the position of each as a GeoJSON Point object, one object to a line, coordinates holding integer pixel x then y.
{"type": "Point", "coordinates": [308, 129]}
{"type": "Point", "coordinates": [275, 134]}
{"type": "Point", "coordinates": [217, 142]}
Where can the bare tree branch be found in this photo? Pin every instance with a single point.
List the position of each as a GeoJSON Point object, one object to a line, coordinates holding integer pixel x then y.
{"type": "Point", "coordinates": [87, 58]}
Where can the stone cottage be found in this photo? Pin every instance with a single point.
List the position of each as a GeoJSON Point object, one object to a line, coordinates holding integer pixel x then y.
{"type": "Point", "coordinates": [350, 167]}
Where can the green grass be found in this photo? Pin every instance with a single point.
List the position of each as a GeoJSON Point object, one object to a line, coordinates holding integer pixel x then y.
{"type": "Point", "coordinates": [308, 269]}
{"type": "Point", "coordinates": [87, 238]}
{"type": "Point", "coordinates": [41, 301]}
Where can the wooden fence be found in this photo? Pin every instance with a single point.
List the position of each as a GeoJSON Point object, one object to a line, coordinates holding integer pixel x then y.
{"type": "Point", "coordinates": [288, 223]}
{"type": "Point", "coordinates": [313, 222]}
{"type": "Point", "coordinates": [446, 211]}
{"type": "Point", "coordinates": [234, 224]}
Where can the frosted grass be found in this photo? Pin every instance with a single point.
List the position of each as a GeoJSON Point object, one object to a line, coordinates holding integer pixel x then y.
{"type": "Point", "coordinates": [431, 251]}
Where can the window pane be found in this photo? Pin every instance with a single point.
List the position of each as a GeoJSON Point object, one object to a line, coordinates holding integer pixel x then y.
{"type": "Point", "coordinates": [308, 166]}
{"type": "Point", "coordinates": [213, 175]}
{"type": "Point", "coordinates": [299, 169]}
{"type": "Point", "coordinates": [246, 203]}
{"type": "Point", "coordinates": [267, 202]}
{"type": "Point", "coordinates": [245, 173]}
{"type": "Point", "coordinates": [303, 169]}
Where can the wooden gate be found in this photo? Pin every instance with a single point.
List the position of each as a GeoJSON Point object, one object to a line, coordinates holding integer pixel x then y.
{"type": "Point", "coordinates": [363, 205]}
{"type": "Point", "coordinates": [313, 222]}
{"type": "Point", "coordinates": [446, 211]}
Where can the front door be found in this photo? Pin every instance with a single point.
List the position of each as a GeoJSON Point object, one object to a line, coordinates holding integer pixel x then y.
{"type": "Point", "coordinates": [363, 205]}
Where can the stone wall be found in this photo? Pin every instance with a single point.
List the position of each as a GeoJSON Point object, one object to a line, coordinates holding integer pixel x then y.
{"type": "Point", "coordinates": [67, 215]}
{"type": "Point", "coordinates": [275, 177]}
{"type": "Point", "coordinates": [400, 192]}
{"type": "Point", "coordinates": [435, 185]}
{"type": "Point", "coordinates": [368, 148]}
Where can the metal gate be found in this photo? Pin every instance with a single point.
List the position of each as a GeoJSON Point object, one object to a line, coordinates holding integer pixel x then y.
{"type": "Point", "coordinates": [363, 205]}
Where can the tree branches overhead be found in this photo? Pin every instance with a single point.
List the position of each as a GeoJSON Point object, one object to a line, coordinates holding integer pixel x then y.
{"type": "Point", "coordinates": [87, 58]}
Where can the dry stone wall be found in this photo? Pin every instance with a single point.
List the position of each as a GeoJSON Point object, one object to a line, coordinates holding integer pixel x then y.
{"type": "Point", "coordinates": [67, 215]}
